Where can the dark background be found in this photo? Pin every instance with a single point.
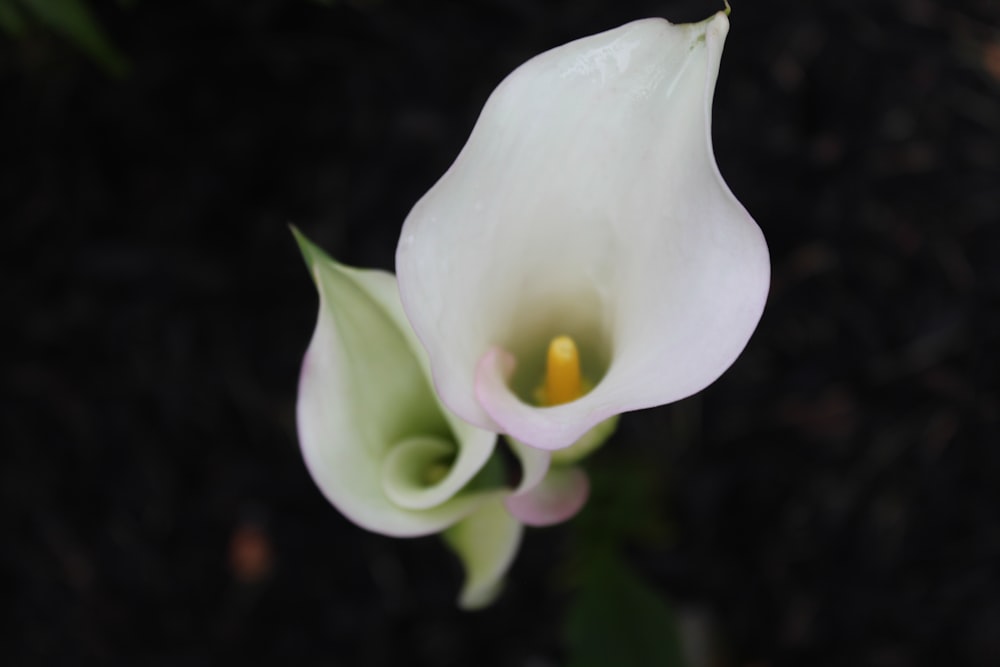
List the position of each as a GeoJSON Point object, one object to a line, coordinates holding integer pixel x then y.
{"type": "Point", "coordinates": [832, 500]}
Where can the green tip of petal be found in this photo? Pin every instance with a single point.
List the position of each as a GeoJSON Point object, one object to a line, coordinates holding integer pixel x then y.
{"type": "Point", "coordinates": [486, 543]}
{"type": "Point", "coordinates": [311, 252]}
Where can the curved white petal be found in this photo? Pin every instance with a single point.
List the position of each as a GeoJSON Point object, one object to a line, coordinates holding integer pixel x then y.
{"type": "Point", "coordinates": [587, 202]}
{"type": "Point", "coordinates": [559, 497]}
{"type": "Point", "coordinates": [376, 440]}
{"type": "Point", "coordinates": [534, 465]}
{"type": "Point", "coordinates": [486, 543]}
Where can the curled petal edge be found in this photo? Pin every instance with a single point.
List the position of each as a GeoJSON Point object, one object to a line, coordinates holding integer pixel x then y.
{"type": "Point", "coordinates": [560, 496]}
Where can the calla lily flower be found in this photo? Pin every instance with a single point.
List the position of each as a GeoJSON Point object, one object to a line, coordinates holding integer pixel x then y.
{"type": "Point", "coordinates": [586, 205]}
{"type": "Point", "coordinates": [387, 454]}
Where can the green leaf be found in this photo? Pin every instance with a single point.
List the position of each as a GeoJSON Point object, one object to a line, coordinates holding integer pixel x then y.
{"type": "Point", "coordinates": [617, 620]}
{"type": "Point", "coordinates": [626, 504]}
{"type": "Point", "coordinates": [73, 20]}
{"type": "Point", "coordinates": [10, 18]}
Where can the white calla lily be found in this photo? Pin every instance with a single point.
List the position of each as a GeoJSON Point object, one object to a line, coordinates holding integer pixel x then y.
{"type": "Point", "coordinates": [379, 444]}
{"type": "Point", "coordinates": [587, 202]}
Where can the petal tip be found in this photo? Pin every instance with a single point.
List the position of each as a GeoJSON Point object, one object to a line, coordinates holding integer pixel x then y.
{"type": "Point", "coordinates": [560, 496]}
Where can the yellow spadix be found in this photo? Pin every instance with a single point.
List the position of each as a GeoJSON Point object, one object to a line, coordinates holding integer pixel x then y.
{"type": "Point", "coordinates": [563, 382]}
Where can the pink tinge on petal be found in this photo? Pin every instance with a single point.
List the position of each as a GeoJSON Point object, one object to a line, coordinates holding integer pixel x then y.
{"type": "Point", "coordinates": [559, 497]}
{"type": "Point", "coordinates": [548, 428]}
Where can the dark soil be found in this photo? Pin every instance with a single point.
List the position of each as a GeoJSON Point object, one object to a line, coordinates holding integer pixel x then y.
{"type": "Point", "coordinates": [834, 497]}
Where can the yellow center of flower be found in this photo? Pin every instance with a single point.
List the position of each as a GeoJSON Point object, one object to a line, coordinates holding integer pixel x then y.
{"type": "Point", "coordinates": [563, 381]}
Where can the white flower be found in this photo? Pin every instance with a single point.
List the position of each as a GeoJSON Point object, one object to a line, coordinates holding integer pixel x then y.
{"type": "Point", "coordinates": [586, 203]}
{"type": "Point", "coordinates": [383, 450]}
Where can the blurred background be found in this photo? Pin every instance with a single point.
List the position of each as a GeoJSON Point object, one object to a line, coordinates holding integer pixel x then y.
{"type": "Point", "coordinates": [832, 500]}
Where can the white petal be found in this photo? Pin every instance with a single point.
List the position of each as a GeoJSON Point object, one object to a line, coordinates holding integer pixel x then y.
{"type": "Point", "coordinates": [486, 542]}
{"type": "Point", "coordinates": [587, 202]}
{"type": "Point", "coordinates": [366, 412]}
{"type": "Point", "coordinates": [534, 465]}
